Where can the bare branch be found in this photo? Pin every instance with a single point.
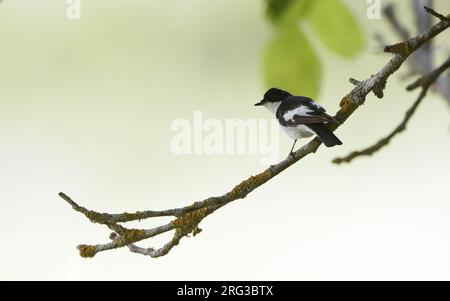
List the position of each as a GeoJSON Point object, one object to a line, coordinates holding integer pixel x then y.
{"type": "Point", "coordinates": [411, 45]}
{"type": "Point", "coordinates": [105, 218]}
{"type": "Point", "coordinates": [159, 252]}
{"type": "Point", "coordinates": [151, 251]}
{"type": "Point", "coordinates": [425, 82]}
{"type": "Point", "coordinates": [188, 218]}
{"type": "Point", "coordinates": [437, 15]}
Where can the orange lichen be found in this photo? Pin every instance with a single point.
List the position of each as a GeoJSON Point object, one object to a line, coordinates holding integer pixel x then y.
{"type": "Point", "coordinates": [189, 222]}
{"type": "Point", "coordinates": [131, 235]}
{"type": "Point", "coordinates": [403, 48]}
{"type": "Point", "coordinates": [246, 186]}
{"type": "Point", "coordinates": [87, 251]}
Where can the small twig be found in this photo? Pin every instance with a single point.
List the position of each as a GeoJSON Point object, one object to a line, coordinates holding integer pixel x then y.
{"type": "Point", "coordinates": [151, 251]}
{"type": "Point", "coordinates": [354, 81]}
{"type": "Point", "coordinates": [436, 14]}
{"type": "Point", "coordinates": [423, 17]}
{"type": "Point", "coordinates": [428, 80]}
{"type": "Point", "coordinates": [425, 82]}
{"type": "Point", "coordinates": [158, 252]}
{"type": "Point", "coordinates": [107, 218]}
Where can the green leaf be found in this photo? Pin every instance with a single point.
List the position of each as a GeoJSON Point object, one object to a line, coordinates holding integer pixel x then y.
{"type": "Point", "coordinates": [291, 64]}
{"type": "Point", "coordinates": [285, 11]}
{"type": "Point", "coordinates": [336, 27]}
{"type": "Point", "coordinates": [276, 8]}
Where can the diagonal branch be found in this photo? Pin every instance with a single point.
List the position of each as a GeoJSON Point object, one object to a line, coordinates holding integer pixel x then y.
{"type": "Point", "coordinates": [188, 218]}
{"type": "Point", "coordinates": [425, 82]}
{"type": "Point", "coordinates": [105, 218]}
{"type": "Point", "coordinates": [436, 14]}
{"type": "Point", "coordinates": [428, 80]}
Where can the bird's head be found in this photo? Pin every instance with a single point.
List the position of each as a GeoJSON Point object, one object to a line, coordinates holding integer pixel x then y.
{"type": "Point", "coordinates": [273, 98]}
{"type": "Point", "coordinates": [273, 95]}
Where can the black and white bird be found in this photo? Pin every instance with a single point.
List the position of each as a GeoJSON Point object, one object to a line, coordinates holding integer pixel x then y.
{"type": "Point", "coordinates": [299, 116]}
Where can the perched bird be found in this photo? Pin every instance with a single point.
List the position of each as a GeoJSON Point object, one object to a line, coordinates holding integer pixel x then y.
{"type": "Point", "coordinates": [299, 116]}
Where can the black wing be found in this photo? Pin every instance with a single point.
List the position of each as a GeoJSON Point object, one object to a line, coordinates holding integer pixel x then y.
{"type": "Point", "coordinates": [297, 110]}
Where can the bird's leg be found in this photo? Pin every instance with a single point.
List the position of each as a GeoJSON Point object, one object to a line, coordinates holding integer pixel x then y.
{"type": "Point", "coordinates": [291, 152]}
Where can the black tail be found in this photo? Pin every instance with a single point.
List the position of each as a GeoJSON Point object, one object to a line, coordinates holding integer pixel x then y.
{"type": "Point", "coordinates": [325, 134]}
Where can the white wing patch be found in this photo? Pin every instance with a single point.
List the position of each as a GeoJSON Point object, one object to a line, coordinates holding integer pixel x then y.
{"type": "Point", "coordinates": [316, 105]}
{"type": "Point", "coordinates": [300, 111]}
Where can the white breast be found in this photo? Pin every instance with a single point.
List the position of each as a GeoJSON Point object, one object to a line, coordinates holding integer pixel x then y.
{"type": "Point", "coordinates": [272, 106]}
{"type": "Point", "coordinates": [297, 132]}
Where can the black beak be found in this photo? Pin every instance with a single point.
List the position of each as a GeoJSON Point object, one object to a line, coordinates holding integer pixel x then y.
{"type": "Point", "coordinates": [259, 103]}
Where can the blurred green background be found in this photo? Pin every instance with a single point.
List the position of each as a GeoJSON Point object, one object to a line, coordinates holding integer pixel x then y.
{"type": "Point", "coordinates": [86, 108]}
